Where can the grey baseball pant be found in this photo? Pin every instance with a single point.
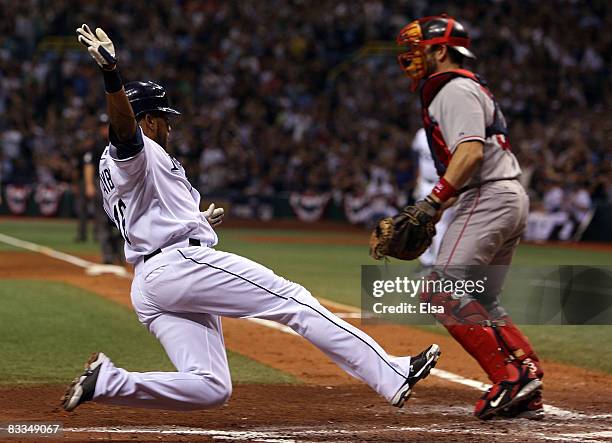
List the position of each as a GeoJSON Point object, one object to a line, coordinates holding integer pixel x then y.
{"type": "Point", "coordinates": [486, 229]}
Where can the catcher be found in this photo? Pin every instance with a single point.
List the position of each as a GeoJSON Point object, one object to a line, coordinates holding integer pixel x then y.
{"type": "Point", "coordinates": [467, 136]}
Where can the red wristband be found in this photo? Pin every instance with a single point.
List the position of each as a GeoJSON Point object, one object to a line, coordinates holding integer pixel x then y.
{"type": "Point", "coordinates": [444, 190]}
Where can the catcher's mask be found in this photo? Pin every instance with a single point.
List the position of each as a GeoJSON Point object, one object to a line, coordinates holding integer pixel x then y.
{"type": "Point", "coordinates": [435, 30]}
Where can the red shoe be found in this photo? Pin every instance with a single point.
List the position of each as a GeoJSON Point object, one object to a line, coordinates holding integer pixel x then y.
{"type": "Point", "coordinates": [521, 386]}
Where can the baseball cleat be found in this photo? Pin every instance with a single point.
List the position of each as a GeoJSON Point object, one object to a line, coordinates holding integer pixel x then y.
{"type": "Point", "coordinates": [420, 366]}
{"type": "Point", "coordinates": [82, 387]}
{"type": "Point", "coordinates": [532, 409]}
{"type": "Point", "coordinates": [523, 386]}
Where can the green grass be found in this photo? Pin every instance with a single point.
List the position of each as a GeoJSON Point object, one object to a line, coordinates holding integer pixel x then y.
{"type": "Point", "coordinates": [48, 330]}
{"type": "Point", "coordinates": [333, 272]}
{"type": "Point", "coordinates": [56, 234]}
{"type": "Point", "coordinates": [554, 255]}
{"type": "Point", "coordinates": [581, 345]}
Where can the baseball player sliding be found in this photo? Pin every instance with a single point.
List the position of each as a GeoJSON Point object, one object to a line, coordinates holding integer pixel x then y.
{"type": "Point", "coordinates": [467, 136]}
{"type": "Point", "coordinates": [182, 285]}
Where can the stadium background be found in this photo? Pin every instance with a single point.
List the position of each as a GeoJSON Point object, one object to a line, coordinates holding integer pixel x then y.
{"type": "Point", "coordinates": [280, 97]}
{"type": "Point", "coordinates": [287, 98]}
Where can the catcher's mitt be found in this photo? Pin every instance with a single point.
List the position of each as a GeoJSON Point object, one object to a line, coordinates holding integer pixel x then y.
{"type": "Point", "coordinates": [408, 234]}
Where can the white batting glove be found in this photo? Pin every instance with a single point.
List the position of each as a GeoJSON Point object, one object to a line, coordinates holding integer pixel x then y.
{"type": "Point", "coordinates": [99, 46]}
{"type": "Point", "coordinates": [214, 216]}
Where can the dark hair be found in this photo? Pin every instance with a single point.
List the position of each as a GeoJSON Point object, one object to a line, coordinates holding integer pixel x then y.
{"type": "Point", "coordinates": [455, 56]}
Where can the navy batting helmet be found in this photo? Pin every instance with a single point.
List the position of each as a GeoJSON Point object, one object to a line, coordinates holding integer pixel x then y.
{"type": "Point", "coordinates": [148, 97]}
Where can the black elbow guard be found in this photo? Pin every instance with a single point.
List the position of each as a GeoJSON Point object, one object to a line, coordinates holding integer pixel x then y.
{"type": "Point", "coordinates": [125, 148]}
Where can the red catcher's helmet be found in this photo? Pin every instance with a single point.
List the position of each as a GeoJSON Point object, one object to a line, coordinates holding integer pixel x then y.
{"type": "Point", "coordinates": [435, 30]}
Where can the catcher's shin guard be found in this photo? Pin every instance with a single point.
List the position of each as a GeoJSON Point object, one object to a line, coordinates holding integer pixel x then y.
{"type": "Point", "coordinates": [468, 322]}
{"type": "Point", "coordinates": [518, 345]}
{"type": "Point", "coordinates": [480, 342]}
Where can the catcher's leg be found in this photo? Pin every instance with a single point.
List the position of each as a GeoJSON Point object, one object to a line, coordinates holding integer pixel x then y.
{"type": "Point", "coordinates": [485, 232]}
{"type": "Point", "coordinates": [518, 345]}
{"type": "Point", "coordinates": [515, 342]}
{"type": "Point", "coordinates": [469, 241]}
{"type": "Point", "coordinates": [469, 323]}
{"type": "Point", "coordinates": [524, 397]}
{"type": "Point", "coordinates": [515, 386]}
{"type": "Point", "coordinates": [484, 219]}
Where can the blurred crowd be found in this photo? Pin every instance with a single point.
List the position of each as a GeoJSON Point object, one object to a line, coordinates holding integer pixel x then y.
{"type": "Point", "coordinates": [280, 95]}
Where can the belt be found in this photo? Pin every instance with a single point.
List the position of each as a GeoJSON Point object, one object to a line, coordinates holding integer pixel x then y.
{"type": "Point", "coordinates": [192, 242]}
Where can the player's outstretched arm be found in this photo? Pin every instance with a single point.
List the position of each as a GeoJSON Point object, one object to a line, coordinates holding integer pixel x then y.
{"type": "Point", "coordinates": [100, 47]}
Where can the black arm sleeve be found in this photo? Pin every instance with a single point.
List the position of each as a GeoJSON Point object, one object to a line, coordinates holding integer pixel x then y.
{"type": "Point", "coordinates": [125, 149]}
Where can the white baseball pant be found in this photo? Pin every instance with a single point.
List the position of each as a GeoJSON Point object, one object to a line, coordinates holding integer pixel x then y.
{"type": "Point", "coordinates": [179, 295]}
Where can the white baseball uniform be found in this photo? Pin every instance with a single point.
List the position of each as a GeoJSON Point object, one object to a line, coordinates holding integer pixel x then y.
{"type": "Point", "coordinates": [427, 179]}
{"type": "Point", "coordinates": [180, 292]}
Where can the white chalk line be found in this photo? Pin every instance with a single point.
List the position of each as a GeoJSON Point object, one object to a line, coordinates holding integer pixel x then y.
{"type": "Point", "coordinates": [350, 312]}
{"type": "Point", "coordinates": [77, 261]}
{"type": "Point", "coordinates": [272, 437]}
{"type": "Point", "coordinates": [90, 267]}
{"type": "Point", "coordinates": [290, 435]}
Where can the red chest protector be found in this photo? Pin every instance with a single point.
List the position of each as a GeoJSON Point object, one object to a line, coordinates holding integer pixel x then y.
{"type": "Point", "coordinates": [440, 152]}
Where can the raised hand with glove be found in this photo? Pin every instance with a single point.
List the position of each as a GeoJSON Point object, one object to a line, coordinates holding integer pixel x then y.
{"type": "Point", "coordinates": [99, 46]}
{"type": "Point", "coordinates": [121, 115]}
{"type": "Point", "coordinates": [214, 215]}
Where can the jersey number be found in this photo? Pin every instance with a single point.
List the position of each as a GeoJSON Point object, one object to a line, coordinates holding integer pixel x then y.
{"type": "Point", "coordinates": [120, 219]}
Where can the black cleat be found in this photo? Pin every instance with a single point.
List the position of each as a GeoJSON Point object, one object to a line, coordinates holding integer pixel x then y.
{"type": "Point", "coordinates": [531, 409]}
{"type": "Point", "coordinates": [522, 386]}
{"type": "Point", "coordinates": [82, 388]}
{"type": "Point", "coordinates": [420, 367]}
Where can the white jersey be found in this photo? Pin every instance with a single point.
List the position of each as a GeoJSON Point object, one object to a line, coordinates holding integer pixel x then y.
{"type": "Point", "coordinates": [150, 200]}
{"type": "Point", "coordinates": [428, 176]}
